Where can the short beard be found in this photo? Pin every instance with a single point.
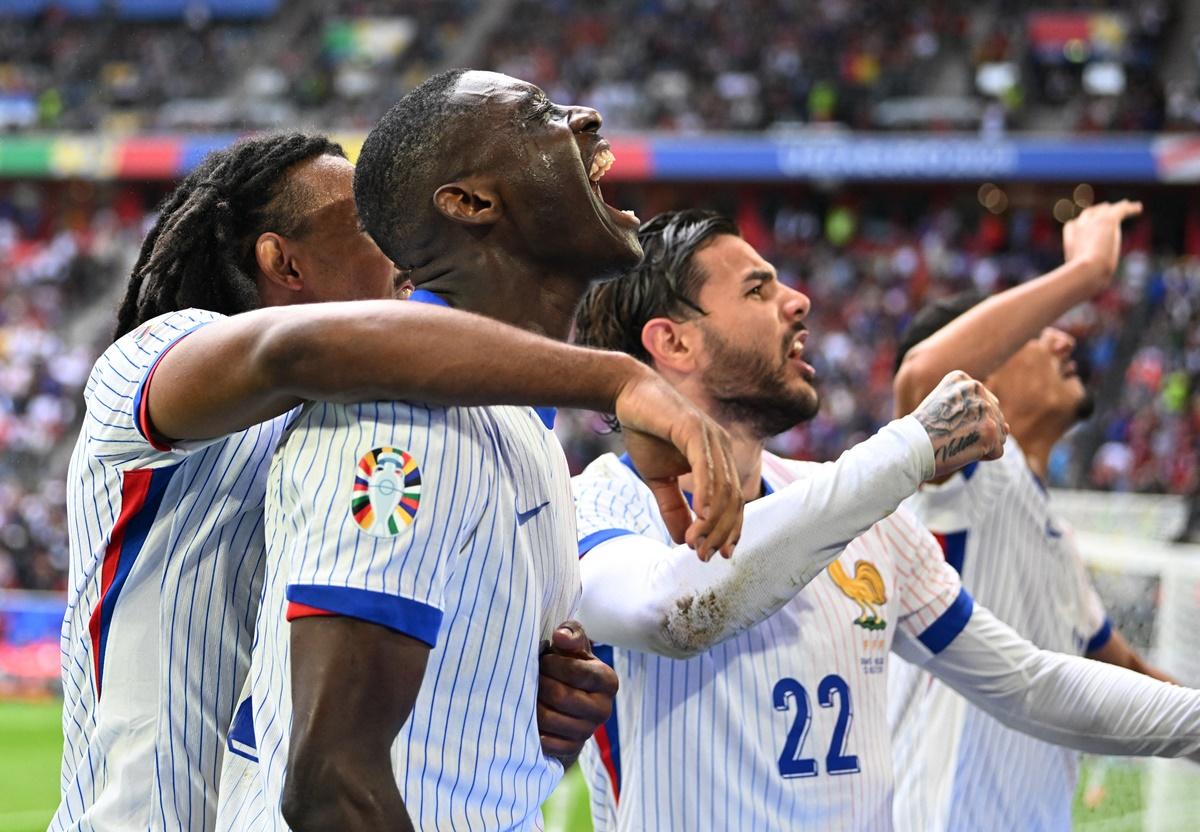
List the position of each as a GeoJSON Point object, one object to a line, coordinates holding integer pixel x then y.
{"type": "Point", "coordinates": [751, 392]}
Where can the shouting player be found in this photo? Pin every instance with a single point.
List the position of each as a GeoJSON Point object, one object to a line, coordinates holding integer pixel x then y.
{"type": "Point", "coordinates": [747, 702]}
{"type": "Point", "coordinates": [957, 768]}
{"type": "Point", "coordinates": [395, 528]}
{"type": "Point", "coordinates": [402, 693]}
{"type": "Point", "coordinates": [183, 413]}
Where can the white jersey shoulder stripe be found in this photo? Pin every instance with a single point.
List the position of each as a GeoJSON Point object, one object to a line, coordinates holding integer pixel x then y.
{"type": "Point", "coordinates": [594, 539]}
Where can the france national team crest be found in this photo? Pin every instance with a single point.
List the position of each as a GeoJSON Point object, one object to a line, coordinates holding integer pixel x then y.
{"type": "Point", "coordinates": [387, 492]}
{"type": "Point", "coordinates": [866, 589]}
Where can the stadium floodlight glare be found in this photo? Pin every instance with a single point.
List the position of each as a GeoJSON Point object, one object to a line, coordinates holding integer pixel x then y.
{"type": "Point", "coordinates": [996, 79]}
{"type": "Point", "coordinates": [1104, 78]}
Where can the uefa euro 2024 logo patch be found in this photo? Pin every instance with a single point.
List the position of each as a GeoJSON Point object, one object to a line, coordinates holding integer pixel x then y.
{"type": "Point", "coordinates": [387, 492]}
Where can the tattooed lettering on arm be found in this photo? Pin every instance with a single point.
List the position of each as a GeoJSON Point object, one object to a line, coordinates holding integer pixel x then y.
{"type": "Point", "coordinates": [963, 421]}
{"type": "Point", "coordinates": [958, 444]}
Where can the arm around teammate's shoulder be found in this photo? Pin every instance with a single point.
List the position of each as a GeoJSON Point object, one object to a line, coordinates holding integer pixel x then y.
{"type": "Point", "coordinates": [354, 684]}
{"type": "Point", "coordinates": [242, 370]}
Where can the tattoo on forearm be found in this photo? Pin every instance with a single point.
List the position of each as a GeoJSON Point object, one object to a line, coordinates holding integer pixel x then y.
{"type": "Point", "coordinates": [943, 418]}
{"type": "Point", "coordinates": [958, 445]}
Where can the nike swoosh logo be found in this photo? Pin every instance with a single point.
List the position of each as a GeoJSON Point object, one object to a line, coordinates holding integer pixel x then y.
{"type": "Point", "coordinates": [524, 517]}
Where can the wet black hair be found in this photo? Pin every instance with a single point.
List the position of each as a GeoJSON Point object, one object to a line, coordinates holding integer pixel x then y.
{"type": "Point", "coordinates": [932, 318]}
{"type": "Point", "coordinates": [665, 284]}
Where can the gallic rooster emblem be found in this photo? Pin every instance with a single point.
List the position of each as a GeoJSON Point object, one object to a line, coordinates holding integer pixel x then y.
{"type": "Point", "coordinates": [866, 588]}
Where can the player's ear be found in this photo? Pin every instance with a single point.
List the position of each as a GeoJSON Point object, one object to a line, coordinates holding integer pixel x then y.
{"type": "Point", "coordinates": [672, 345]}
{"type": "Point", "coordinates": [277, 262]}
{"type": "Point", "coordinates": [470, 201]}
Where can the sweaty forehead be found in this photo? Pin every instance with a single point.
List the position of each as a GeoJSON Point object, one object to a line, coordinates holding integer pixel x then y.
{"type": "Point", "coordinates": [323, 180]}
{"type": "Point", "coordinates": [477, 88]}
{"type": "Point", "coordinates": [322, 190]}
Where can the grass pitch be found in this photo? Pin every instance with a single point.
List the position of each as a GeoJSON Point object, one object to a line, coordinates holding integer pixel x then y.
{"type": "Point", "coordinates": [30, 753]}
{"type": "Point", "coordinates": [31, 747]}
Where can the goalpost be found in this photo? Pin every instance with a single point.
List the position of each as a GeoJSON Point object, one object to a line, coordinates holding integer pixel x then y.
{"type": "Point", "coordinates": [1151, 589]}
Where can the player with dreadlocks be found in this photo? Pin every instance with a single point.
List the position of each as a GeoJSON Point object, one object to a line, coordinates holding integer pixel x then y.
{"type": "Point", "coordinates": [199, 254]}
{"type": "Point", "coordinates": [183, 413]}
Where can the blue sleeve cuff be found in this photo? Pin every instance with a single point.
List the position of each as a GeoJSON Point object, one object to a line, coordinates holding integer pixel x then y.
{"type": "Point", "coordinates": [141, 416]}
{"type": "Point", "coordinates": [404, 615]}
{"type": "Point", "coordinates": [591, 541]}
{"type": "Point", "coordinates": [939, 634]}
{"type": "Point", "coordinates": [1101, 637]}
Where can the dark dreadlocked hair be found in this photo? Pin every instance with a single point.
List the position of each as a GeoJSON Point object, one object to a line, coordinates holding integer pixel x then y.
{"type": "Point", "coordinates": [200, 252]}
{"type": "Point", "coordinates": [665, 284]}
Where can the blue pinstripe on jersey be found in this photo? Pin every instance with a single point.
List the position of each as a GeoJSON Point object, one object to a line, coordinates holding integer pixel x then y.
{"type": "Point", "coordinates": [469, 755]}
{"type": "Point", "coordinates": [177, 642]}
{"type": "Point", "coordinates": [1002, 536]}
{"type": "Point", "coordinates": [698, 742]}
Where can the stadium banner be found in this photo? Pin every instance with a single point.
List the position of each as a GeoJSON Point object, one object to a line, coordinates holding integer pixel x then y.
{"type": "Point", "coordinates": [30, 626]}
{"type": "Point", "coordinates": [876, 157]}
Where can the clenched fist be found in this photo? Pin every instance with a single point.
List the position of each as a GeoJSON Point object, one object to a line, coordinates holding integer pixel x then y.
{"type": "Point", "coordinates": [964, 423]}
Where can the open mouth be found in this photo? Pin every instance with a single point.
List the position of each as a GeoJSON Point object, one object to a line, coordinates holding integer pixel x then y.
{"type": "Point", "coordinates": [795, 355]}
{"type": "Point", "coordinates": [602, 160]}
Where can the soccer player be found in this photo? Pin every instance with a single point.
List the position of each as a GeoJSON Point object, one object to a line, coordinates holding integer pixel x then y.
{"type": "Point", "coordinates": [957, 768]}
{"type": "Point", "coordinates": [183, 412]}
{"type": "Point", "coordinates": [392, 667]}
{"type": "Point", "coordinates": [749, 700]}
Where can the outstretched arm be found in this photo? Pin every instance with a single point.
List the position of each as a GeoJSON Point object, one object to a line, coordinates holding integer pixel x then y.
{"type": "Point", "coordinates": [985, 336]}
{"type": "Point", "coordinates": [1066, 700]}
{"type": "Point", "coordinates": [242, 370]}
{"type": "Point", "coordinates": [641, 594]}
{"type": "Point", "coordinates": [239, 371]}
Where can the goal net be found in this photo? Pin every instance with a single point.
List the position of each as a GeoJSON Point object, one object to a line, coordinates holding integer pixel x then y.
{"type": "Point", "coordinates": [1151, 589]}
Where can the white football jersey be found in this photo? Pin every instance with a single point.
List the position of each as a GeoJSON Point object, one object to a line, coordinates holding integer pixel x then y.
{"type": "Point", "coordinates": [785, 725]}
{"type": "Point", "coordinates": [164, 580]}
{"type": "Point", "coordinates": [455, 527]}
{"type": "Point", "coordinates": [957, 767]}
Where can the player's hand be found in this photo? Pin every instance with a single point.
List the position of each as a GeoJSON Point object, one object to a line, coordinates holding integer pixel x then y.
{"type": "Point", "coordinates": [575, 693]}
{"type": "Point", "coordinates": [1094, 237]}
{"type": "Point", "coordinates": [667, 436]}
{"type": "Point", "coordinates": [964, 423]}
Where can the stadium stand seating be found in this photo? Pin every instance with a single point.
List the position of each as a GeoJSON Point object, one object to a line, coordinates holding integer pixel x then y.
{"type": "Point", "coordinates": [867, 256]}
{"type": "Point", "coordinates": [930, 65]}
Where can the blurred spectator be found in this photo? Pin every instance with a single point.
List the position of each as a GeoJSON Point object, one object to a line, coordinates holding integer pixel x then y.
{"type": "Point", "coordinates": [58, 256]}
{"type": "Point", "coordinates": [867, 257]}
{"type": "Point", "coordinates": [681, 65]}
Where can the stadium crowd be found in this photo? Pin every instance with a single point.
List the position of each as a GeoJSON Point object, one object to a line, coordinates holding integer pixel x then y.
{"type": "Point", "coordinates": [866, 263]}
{"type": "Point", "coordinates": [935, 64]}
{"type": "Point", "coordinates": [58, 255]}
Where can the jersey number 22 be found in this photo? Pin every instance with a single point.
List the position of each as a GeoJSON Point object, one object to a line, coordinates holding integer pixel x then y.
{"type": "Point", "coordinates": [787, 692]}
